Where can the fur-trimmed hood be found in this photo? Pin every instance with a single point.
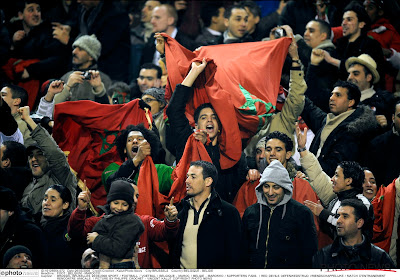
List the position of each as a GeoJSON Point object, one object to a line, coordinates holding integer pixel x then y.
{"type": "Point", "coordinates": [364, 122]}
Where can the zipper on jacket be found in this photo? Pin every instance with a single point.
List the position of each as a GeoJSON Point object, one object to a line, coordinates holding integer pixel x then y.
{"type": "Point", "coordinates": [269, 221]}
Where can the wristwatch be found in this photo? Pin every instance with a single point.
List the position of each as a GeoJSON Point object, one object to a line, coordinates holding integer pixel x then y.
{"type": "Point", "coordinates": [301, 149]}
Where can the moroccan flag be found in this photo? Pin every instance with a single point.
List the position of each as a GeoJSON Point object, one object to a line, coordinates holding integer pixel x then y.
{"type": "Point", "coordinates": [241, 81]}
{"type": "Point", "coordinates": [88, 131]}
{"type": "Point", "coordinates": [384, 205]}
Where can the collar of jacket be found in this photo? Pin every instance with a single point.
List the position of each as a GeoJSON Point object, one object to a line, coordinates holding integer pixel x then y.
{"type": "Point", "coordinates": [215, 201]}
{"type": "Point", "coordinates": [347, 194]}
{"type": "Point", "coordinates": [362, 249]}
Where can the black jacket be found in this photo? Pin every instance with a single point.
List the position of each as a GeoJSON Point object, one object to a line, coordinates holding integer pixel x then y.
{"type": "Point", "coordinates": [63, 252]}
{"type": "Point", "coordinates": [362, 44]}
{"type": "Point", "coordinates": [39, 44]}
{"type": "Point", "coordinates": [289, 230]}
{"type": "Point", "coordinates": [110, 23]}
{"type": "Point", "coordinates": [229, 180]}
{"type": "Point", "coordinates": [118, 234]}
{"type": "Point", "coordinates": [345, 142]}
{"type": "Point", "coordinates": [150, 46]}
{"type": "Point", "coordinates": [360, 256]}
{"type": "Point", "coordinates": [218, 238]}
{"type": "Point", "coordinates": [383, 157]}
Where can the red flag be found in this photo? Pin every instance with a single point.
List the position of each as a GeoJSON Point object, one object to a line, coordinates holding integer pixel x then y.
{"type": "Point", "coordinates": [384, 204]}
{"type": "Point", "coordinates": [148, 188]}
{"type": "Point", "coordinates": [241, 81]}
{"type": "Point", "coordinates": [88, 130]}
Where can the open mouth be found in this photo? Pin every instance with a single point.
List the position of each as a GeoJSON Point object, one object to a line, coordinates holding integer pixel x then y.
{"type": "Point", "coordinates": [135, 149]}
{"type": "Point", "coordinates": [210, 128]}
{"type": "Point", "coordinates": [370, 191]}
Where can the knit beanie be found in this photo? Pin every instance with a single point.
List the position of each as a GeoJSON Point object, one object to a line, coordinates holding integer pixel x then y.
{"type": "Point", "coordinates": [8, 200]}
{"type": "Point", "coordinates": [121, 190]}
{"type": "Point", "coordinates": [10, 253]}
{"type": "Point", "coordinates": [90, 44]}
{"type": "Point", "coordinates": [277, 173]}
{"type": "Point", "coordinates": [157, 93]}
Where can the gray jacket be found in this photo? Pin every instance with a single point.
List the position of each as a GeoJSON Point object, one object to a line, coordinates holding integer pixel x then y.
{"type": "Point", "coordinates": [59, 173]}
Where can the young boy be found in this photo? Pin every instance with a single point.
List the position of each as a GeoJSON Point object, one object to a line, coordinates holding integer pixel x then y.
{"type": "Point", "coordinates": [116, 234]}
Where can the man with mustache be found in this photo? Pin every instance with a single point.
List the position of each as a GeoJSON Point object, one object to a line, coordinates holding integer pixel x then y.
{"type": "Point", "coordinates": [78, 84]}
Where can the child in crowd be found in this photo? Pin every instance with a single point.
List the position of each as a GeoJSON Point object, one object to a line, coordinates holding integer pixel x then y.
{"type": "Point", "coordinates": [116, 234]}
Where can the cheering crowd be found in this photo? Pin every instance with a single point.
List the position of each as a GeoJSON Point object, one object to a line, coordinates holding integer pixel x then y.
{"type": "Point", "coordinates": [200, 134]}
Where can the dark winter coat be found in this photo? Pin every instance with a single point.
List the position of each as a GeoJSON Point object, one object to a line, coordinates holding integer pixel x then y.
{"type": "Point", "coordinates": [360, 256]}
{"type": "Point", "coordinates": [383, 157]}
{"type": "Point", "coordinates": [39, 44]}
{"type": "Point", "coordinates": [110, 23]}
{"type": "Point", "coordinates": [280, 237]}
{"type": "Point", "coordinates": [345, 141]}
{"type": "Point", "coordinates": [118, 234]}
{"type": "Point", "coordinates": [62, 252]}
{"type": "Point", "coordinates": [218, 238]}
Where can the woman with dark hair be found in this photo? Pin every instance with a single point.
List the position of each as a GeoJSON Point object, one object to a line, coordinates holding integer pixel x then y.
{"type": "Point", "coordinates": [62, 251]}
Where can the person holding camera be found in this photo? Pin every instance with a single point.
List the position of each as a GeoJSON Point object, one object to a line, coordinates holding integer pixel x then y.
{"type": "Point", "coordinates": [84, 82]}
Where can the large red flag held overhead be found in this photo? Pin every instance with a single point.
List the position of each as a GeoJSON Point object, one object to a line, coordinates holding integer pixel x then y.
{"type": "Point", "coordinates": [87, 130]}
{"type": "Point", "coordinates": [241, 81]}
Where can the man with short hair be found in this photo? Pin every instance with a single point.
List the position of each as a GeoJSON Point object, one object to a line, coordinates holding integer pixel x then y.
{"type": "Point", "coordinates": [164, 19]}
{"type": "Point", "coordinates": [278, 232]}
{"type": "Point", "coordinates": [149, 77]}
{"type": "Point", "coordinates": [236, 22]}
{"type": "Point", "coordinates": [355, 41]}
{"type": "Point", "coordinates": [387, 36]}
{"type": "Point", "coordinates": [17, 97]}
{"type": "Point", "coordinates": [347, 182]}
{"type": "Point", "coordinates": [144, 30]}
{"type": "Point", "coordinates": [212, 16]}
{"type": "Point", "coordinates": [209, 230]}
{"type": "Point", "coordinates": [321, 76]}
{"type": "Point", "coordinates": [254, 12]}
{"type": "Point", "coordinates": [48, 164]}
{"type": "Point", "coordinates": [338, 134]}
{"type": "Point", "coordinates": [351, 249]}
{"type": "Point", "coordinates": [363, 73]}
{"type": "Point", "coordinates": [32, 39]}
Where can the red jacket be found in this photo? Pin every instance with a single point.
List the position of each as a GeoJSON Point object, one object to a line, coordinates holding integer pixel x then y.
{"type": "Point", "coordinates": [154, 230]}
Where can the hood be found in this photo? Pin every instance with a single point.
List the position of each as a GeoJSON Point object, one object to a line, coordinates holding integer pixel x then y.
{"type": "Point", "coordinates": [276, 173]}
